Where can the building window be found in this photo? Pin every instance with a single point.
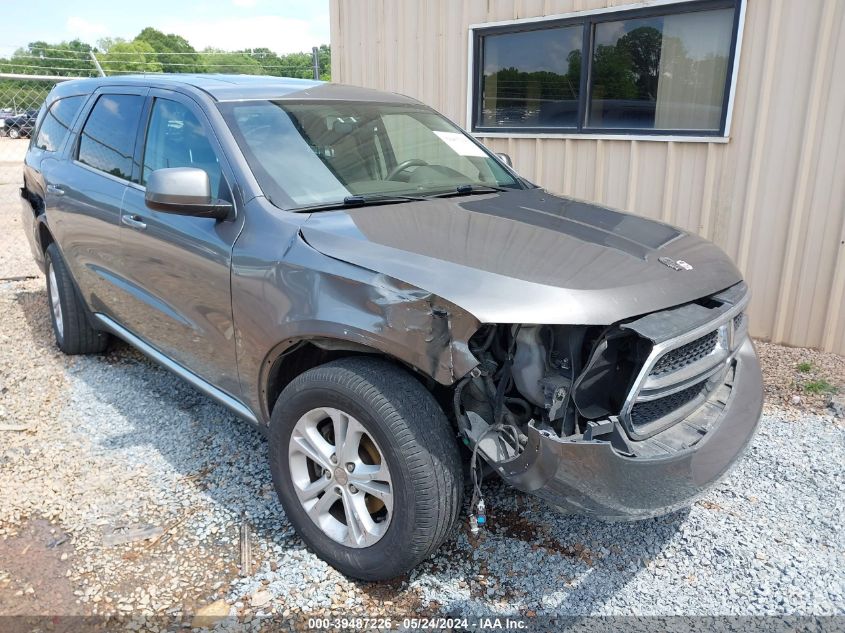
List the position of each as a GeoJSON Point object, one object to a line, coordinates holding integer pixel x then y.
{"type": "Point", "coordinates": [532, 79]}
{"type": "Point", "coordinates": [652, 70]}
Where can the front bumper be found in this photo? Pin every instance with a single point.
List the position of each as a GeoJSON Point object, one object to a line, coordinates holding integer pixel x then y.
{"type": "Point", "coordinates": [592, 477]}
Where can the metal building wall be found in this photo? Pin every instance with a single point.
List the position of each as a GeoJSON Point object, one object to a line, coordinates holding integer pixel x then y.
{"type": "Point", "coordinates": [773, 196]}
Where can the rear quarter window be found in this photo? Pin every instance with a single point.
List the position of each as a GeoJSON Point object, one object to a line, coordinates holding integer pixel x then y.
{"type": "Point", "coordinates": [56, 123]}
{"type": "Point", "coordinates": [108, 139]}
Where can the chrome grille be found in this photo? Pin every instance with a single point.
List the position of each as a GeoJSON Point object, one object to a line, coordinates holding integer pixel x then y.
{"type": "Point", "coordinates": [653, 410]}
{"type": "Point", "coordinates": [684, 367]}
{"type": "Point", "coordinates": [685, 355]}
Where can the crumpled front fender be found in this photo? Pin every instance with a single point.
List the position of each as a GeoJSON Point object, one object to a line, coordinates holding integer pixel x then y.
{"type": "Point", "coordinates": [280, 299]}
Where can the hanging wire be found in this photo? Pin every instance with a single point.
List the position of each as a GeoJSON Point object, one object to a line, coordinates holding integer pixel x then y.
{"type": "Point", "coordinates": [70, 50]}
{"type": "Point", "coordinates": [40, 61]}
{"type": "Point", "coordinates": [52, 59]}
{"type": "Point", "coordinates": [129, 61]}
{"type": "Point", "coordinates": [27, 66]}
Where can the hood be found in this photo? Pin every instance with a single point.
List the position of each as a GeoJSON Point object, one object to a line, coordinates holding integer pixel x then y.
{"type": "Point", "coordinates": [527, 256]}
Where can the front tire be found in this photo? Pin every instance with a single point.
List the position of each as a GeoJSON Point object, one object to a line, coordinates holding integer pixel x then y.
{"type": "Point", "coordinates": [71, 325]}
{"type": "Point", "coordinates": [14, 133]}
{"type": "Point", "coordinates": [366, 466]}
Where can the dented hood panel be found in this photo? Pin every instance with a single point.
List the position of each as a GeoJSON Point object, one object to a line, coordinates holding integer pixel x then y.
{"type": "Point", "coordinates": [526, 256]}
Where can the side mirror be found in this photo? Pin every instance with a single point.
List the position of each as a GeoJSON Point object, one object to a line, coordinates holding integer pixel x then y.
{"type": "Point", "coordinates": [184, 191]}
{"type": "Point", "coordinates": [505, 159]}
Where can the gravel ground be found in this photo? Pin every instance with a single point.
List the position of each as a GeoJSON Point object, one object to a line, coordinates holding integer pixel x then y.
{"type": "Point", "coordinates": [124, 491]}
{"type": "Point", "coordinates": [15, 259]}
{"type": "Point", "coordinates": [802, 378]}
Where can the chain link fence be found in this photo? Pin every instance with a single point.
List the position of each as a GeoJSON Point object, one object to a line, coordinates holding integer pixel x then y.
{"type": "Point", "coordinates": [20, 98]}
{"type": "Point", "coordinates": [21, 95]}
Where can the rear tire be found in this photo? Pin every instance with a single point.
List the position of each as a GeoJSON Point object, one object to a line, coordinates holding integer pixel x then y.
{"type": "Point", "coordinates": [411, 445]}
{"type": "Point", "coordinates": [14, 133]}
{"type": "Point", "coordinates": [71, 324]}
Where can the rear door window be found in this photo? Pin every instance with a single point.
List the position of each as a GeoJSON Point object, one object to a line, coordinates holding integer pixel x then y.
{"type": "Point", "coordinates": [107, 141]}
{"type": "Point", "coordinates": [176, 138]}
{"type": "Point", "coordinates": [56, 124]}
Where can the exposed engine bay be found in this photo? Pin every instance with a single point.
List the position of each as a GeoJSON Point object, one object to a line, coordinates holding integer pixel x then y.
{"type": "Point", "coordinates": [634, 385]}
{"type": "Point", "coordinates": [561, 378]}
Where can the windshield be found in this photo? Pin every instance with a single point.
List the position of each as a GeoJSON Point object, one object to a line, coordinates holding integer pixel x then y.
{"type": "Point", "coordinates": [316, 153]}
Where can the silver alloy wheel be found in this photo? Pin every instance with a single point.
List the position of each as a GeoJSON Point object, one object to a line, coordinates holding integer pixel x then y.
{"type": "Point", "coordinates": [341, 477]}
{"type": "Point", "coordinates": [55, 302]}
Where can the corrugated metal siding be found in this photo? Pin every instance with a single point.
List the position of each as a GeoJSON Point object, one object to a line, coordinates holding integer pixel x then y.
{"type": "Point", "coordinates": [773, 197]}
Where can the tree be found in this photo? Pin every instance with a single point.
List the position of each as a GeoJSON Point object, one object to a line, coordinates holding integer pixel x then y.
{"type": "Point", "coordinates": [299, 65]}
{"type": "Point", "coordinates": [61, 59]}
{"type": "Point", "coordinates": [153, 51]}
{"type": "Point", "coordinates": [612, 74]}
{"type": "Point", "coordinates": [642, 48]}
{"type": "Point", "coordinates": [121, 56]}
{"type": "Point", "coordinates": [177, 55]}
{"type": "Point", "coordinates": [239, 63]}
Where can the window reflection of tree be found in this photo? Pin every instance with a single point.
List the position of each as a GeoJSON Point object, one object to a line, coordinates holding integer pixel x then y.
{"type": "Point", "coordinates": [630, 68]}
{"type": "Point", "coordinates": [514, 95]}
{"type": "Point", "coordinates": [646, 79]}
{"type": "Point", "coordinates": [113, 116]}
{"type": "Point", "coordinates": [97, 154]}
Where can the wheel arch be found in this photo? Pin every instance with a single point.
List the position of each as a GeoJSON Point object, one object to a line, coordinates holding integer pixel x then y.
{"type": "Point", "coordinates": [299, 353]}
{"type": "Point", "coordinates": [45, 236]}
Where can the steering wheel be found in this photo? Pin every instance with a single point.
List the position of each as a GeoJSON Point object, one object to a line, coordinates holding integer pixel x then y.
{"type": "Point", "coordinates": [405, 164]}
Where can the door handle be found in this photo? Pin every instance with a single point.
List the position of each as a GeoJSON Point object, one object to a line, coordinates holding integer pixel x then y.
{"type": "Point", "coordinates": [56, 190]}
{"type": "Point", "coordinates": [135, 221]}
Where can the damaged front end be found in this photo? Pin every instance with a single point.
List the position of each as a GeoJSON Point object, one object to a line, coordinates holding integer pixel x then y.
{"type": "Point", "coordinates": [626, 421]}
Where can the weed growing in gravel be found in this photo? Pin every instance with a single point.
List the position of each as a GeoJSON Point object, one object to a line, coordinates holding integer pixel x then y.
{"type": "Point", "coordinates": [804, 367]}
{"type": "Point", "coordinates": [819, 386]}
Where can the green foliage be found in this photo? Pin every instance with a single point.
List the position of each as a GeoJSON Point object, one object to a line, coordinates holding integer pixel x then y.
{"type": "Point", "coordinates": [642, 47]}
{"type": "Point", "coordinates": [804, 367]}
{"type": "Point", "coordinates": [630, 68]}
{"type": "Point", "coordinates": [513, 85]}
{"type": "Point", "coordinates": [179, 57]}
{"type": "Point", "coordinates": [299, 65]}
{"type": "Point", "coordinates": [819, 386]}
{"type": "Point", "coordinates": [42, 58]}
{"type": "Point", "coordinates": [135, 56]}
{"type": "Point", "coordinates": [613, 77]}
{"type": "Point", "coordinates": [152, 51]}
{"type": "Point", "coordinates": [239, 63]}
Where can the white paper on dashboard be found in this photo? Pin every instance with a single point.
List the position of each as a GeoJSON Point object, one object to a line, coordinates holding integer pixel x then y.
{"type": "Point", "coordinates": [460, 144]}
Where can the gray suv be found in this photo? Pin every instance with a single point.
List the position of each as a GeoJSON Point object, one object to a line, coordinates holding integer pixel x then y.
{"type": "Point", "coordinates": [390, 303]}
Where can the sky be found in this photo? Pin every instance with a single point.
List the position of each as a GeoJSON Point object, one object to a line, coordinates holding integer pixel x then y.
{"type": "Point", "coordinates": [284, 26]}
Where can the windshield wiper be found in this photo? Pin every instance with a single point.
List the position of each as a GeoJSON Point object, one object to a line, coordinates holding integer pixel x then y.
{"type": "Point", "coordinates": [357, 201]}
{"type": "Point", "coordinates": [377, 199]}
{"type": "Point", "coordinates": [465, 190]}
